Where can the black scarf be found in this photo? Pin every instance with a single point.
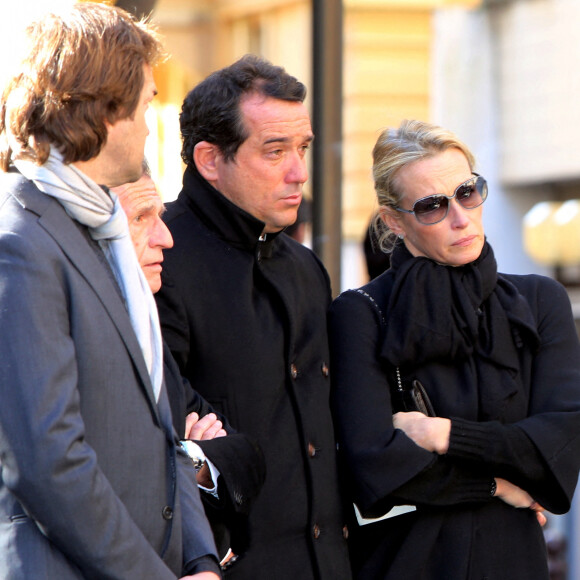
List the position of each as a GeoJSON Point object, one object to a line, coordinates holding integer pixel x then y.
{"type": "Point", "coordinates": [459, 315]}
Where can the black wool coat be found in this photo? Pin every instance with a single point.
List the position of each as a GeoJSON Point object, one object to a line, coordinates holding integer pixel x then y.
{"type": "Point", "coordinates": [246, 321]}
{"type": "Point", "coordinates": [458, 531]}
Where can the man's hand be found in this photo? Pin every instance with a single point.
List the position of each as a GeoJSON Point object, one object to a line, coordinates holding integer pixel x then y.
{"type": "Point", "coordinates": [430, 433]}
{"type": "Point", "coordinates": [208, 427]}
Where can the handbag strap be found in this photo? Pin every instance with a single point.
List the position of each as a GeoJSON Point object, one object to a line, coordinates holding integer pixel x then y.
{"type": "Point", "coordinates": [383, 323]}
{"type": "Point", "coordinates": [373, 302]}
{"type": "Point", "coordinates": [399, 381]}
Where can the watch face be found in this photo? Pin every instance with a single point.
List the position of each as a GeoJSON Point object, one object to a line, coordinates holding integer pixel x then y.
{"type": "Point", "coordinates": [193, 450]}
{"type": "Point", "coordinates": [198, 463]}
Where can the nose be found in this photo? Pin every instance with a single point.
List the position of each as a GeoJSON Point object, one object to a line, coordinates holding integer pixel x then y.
{"type": "Point", "coordinates": [297, 172]}
{"type": "Point", "coordinates": [161, 236]}
{"type": "Point", "coordinates": [457, 214]}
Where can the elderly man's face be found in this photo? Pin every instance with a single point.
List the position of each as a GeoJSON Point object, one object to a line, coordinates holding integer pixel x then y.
{"type": "Point", "coordinates": [150, 235]}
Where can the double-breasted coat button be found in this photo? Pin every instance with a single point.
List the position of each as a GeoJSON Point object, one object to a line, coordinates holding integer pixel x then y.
{"type": "Point", "coordinates": [316, 531]}
{"type": "Point", "coordinates": [167, 513]}
{"type": "Point", "coordinates": [325, 370]}
{"type": "Point", "coordinates": [293, 371]}
{"type": "Point", "coordinates": [311, 450]}
{"type": "Point", "coordinates": [345, 532]}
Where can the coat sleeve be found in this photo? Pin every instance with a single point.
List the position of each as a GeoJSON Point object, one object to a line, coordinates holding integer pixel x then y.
{"type": "Point", "coordinates": [383, 464]}
{"type": "Point", "coordinates": [540, 453]}
{"type": "Point", "coordinates": [47, 464]}
{"type": "Point", "coordinates": [242, 467]}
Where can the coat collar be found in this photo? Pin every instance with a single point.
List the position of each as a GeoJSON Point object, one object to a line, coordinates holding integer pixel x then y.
{"type": "Point", "coordinates": [228, 221]}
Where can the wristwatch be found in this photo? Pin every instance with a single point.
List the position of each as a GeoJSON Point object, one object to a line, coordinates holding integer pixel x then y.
{"type": "Point", "coordinates": [195, 453]}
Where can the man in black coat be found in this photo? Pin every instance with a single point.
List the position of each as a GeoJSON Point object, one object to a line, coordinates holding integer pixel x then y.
{"type": "Point", "coordinates": [243, 309]}
{"type": "Point", "coordinates": [229, 470]}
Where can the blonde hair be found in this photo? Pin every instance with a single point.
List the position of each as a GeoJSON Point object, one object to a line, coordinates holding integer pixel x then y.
{"type": "Point", "coordinates": [397, 148]}
{"type": "Point", "coordinates": [83, 68]}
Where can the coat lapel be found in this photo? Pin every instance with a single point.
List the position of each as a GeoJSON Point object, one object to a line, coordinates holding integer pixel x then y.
{"type": "Point", "coordinates": [54, 219]}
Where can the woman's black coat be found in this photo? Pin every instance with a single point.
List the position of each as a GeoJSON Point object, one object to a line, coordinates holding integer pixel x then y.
{"type": "Point", "coordinates": [459, 531]}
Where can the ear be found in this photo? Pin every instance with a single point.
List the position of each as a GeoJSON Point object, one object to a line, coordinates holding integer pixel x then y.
{"type": "Point", "coordinates": [205, 158]}
{"type": "Point", "coordinates": [392, 218]}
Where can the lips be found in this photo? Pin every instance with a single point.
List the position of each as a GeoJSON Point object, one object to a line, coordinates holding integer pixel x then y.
{"type": "Point", "coordinates": [295, 198]}
{"type": "Point", "coordinates": [154, 266]}
{"type": "Point", "coordinates": [465, 241]}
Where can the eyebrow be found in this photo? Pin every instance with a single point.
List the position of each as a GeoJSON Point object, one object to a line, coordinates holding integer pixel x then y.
{"type": "Point", "coordinates": [308, 138]}
{"type": "Point", "coordinates": [143, 208]}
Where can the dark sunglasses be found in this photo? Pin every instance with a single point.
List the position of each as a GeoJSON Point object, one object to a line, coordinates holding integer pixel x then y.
{"type": "Point", "coordinates": [433, 209]}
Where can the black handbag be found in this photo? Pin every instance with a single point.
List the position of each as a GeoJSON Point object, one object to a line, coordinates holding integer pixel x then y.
{"type": "Point", "coordinates": [410, 396]}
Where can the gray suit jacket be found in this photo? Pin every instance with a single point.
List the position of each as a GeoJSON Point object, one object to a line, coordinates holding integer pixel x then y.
{"type": "Point", "coordinates": [91, 484]}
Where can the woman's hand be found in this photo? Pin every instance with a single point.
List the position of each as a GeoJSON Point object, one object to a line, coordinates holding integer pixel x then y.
{"type": "Point", "coordinates": [518, 498]}
{"type": "Point", "coordinates": [430, 433]}
{"type": "Point", "coordinates": [512, 494]}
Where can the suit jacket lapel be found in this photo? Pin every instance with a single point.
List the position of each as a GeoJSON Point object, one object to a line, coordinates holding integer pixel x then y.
{"type": "Point", "coordinates": [60, 226]}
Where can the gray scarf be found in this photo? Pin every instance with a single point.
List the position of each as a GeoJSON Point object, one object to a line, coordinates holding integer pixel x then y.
{"type": "Point", "coordinates": [102, 213]}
